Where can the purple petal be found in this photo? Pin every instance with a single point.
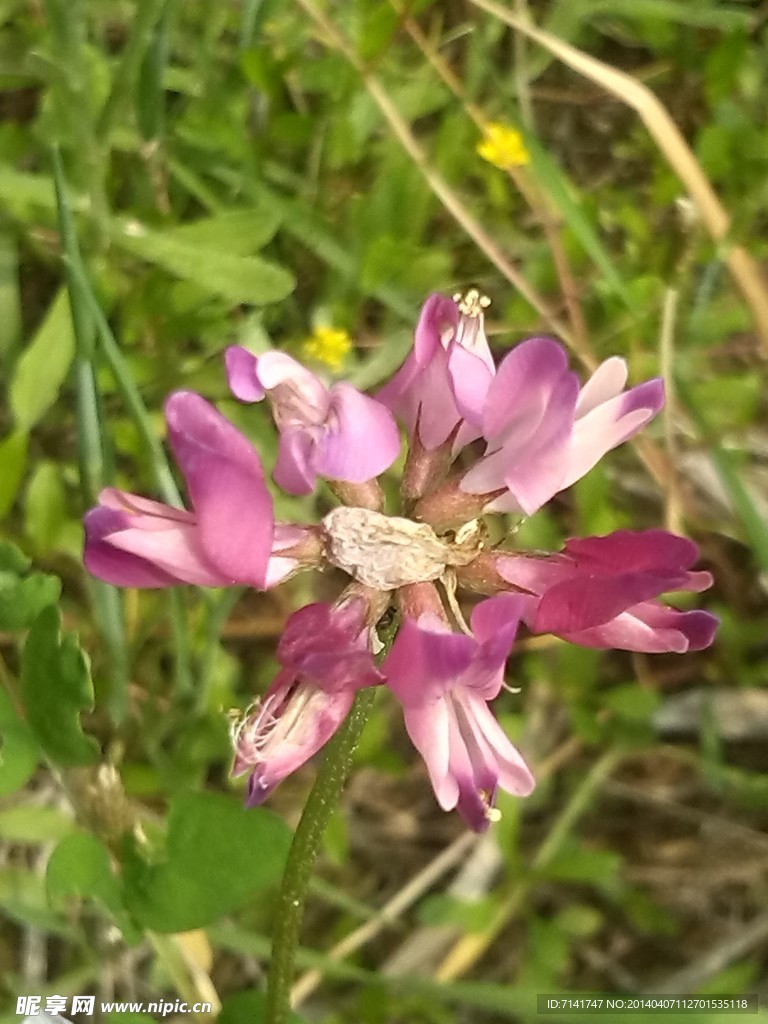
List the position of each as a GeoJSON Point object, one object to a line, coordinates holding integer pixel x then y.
{"type": "Point", "coordinates": [523, 385]}
{"type": "Point", "coordinates": [293, 470]}
{"type": "Point", "coordinates": [225, 480]}
{"type": "Point", "coordinates": [241, 374]}
{"type": "Point", "coordinates": [361, 439]}
{"type": "Point", "coordinates": [533, 457]}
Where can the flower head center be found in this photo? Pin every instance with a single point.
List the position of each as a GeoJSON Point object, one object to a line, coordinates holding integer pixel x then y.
{"type": "Point", "coordinates": [293, 406]}
{"type": "Point", "coordinates": [470, 332]}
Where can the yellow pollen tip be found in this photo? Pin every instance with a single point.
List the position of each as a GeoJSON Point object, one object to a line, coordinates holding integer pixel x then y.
{"type": "Point", "coordinates": [327, 345]}
{"type": "Point", "coordinates": [502, 146]}
{"type": "Point", "coordinates": [472, 303]}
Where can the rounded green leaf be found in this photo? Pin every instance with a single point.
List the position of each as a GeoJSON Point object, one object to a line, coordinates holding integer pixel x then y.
{"type": "Point", "coordinates": [218, 855]}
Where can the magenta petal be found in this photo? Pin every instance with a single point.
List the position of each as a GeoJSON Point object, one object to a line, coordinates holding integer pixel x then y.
{"type": "Point", "coordinates": [496, 615]}
{"type": "Point", "coordinates": [653, 550]}
{"type": "Point", "coordinates": [297, 735]}
{"type": "Point", "coordinates": [241, 374]}
{"type": "Point", "coordinates": [360, 440]}
{"type": "Point", "coordinates": [424, 662]}
{"type": "Point", "coordinates": [584, 601]}
{"type": "Point", "coordinates": [225, 480]}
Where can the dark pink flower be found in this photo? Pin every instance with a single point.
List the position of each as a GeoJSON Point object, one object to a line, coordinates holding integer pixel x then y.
{"type": "Point", "coordinates": [337, 432]}
{"type": "Point", "coordinates": [602, 592]}
{"type": "Point", "coordinates": [226, 539]}
{"type": "Point", "coordinates": [445, 378]}
{"type": "Point", "coordinates": [543, 433]}
{"type": "Point", "coordinates": [326, 658]}
{"type": "Point", "coordinates": [444, 681]}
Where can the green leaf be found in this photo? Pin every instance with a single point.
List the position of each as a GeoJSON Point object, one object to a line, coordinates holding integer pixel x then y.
{"type": "Point", "coordinates": [218, 855]}
{"type": "Point", "coordinates": [22, 898]}
{"type": "Point", "coordinates": [239, 232]}
{"type": "Point", "coordinates": [248, 1008]}
{"type": "Point", "coordinates": [22, 600]}
{"type": "Point", "coordinates": [80, 866]}
{"type": "Point", "coordinates": [43, 365]}
{"type": "Point", "coordinates": [13, 559]}
{"type": "Point", "coordinates": [13, 462]}
{"type": "Point", "coordinates": [240, 279]}
{"type": "Point", "coordinates": [10, 298]}
{"type": "Point", "coordinates": [45, 507]}
{"type": "Point", "coordinates": [34, 824]}
{"type": "Point", "coordinates": [56, 686]}
{"type": "Point", "coordinates": [19, 752]}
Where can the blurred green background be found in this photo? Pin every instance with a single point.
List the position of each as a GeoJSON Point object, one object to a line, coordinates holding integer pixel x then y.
{"type": "Point", "coordinates": [175, 177]}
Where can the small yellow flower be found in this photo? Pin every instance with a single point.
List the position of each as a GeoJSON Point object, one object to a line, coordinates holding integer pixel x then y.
{"type": "Point", "coordinates": [502, 146]}
{"type": "Point", "coordinates": [327, 345]}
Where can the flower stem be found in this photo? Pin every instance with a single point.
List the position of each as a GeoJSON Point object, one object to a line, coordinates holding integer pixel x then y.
{"type": "Point", "coordinates": [320, 806]}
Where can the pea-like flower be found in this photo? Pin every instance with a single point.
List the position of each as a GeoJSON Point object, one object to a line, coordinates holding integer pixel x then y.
{"type": "Point", "coordinates": [228, 536]}
{"type": "Point", "coordinates": [335, 432]}
{"type": "Point", "coordinates": [481, 441]}
{"type": "Point", "coordinates": [603, 592]}
{"type": "Point", "coordinates": [444, 681]}
{"type": "Point", "coordinates": [326, 658]}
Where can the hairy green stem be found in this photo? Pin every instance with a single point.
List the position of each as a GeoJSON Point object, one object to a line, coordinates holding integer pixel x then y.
{"type": "Point", "coordinates": [320, 806]}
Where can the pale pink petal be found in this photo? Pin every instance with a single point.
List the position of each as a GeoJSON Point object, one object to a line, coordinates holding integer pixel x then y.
{"type": "Point", "coordinates": [606, 382]}
{"type": "Point", "coordinates": [513, 773]}
{"type": "Point", "coordinates": [282, 373]}
{"type": "Point", "coordinates": [123, 501]}
{"type": "Point", "coordinates": [471, 378]}
{"type": "Point", "coordinates": [176, 551]}
{"type": "Point", "coordinates": [112, 565]}
{"type": "Point", "coordinates": [428, 726]}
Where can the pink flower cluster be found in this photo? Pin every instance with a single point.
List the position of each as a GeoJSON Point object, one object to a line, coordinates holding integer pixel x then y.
{"type": "Point", "coordinates": [482, 439]}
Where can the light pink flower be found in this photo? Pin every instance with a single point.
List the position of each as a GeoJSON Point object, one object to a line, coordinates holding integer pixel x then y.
{"type": "Point", "coordinates": [444, 681]}
{"type": "Point", "coordinates": [602, 592]}
{"type": "Point", "coordinates": [228, 536]}
{"type": "Point", "coordinates": [337, 432]}
{"type": "Point", "coordinates": [544, 433]}
{"type": "Point", "coordinates": [326, 659]}
{"type": "Point", "coordinates": [445, 378]}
